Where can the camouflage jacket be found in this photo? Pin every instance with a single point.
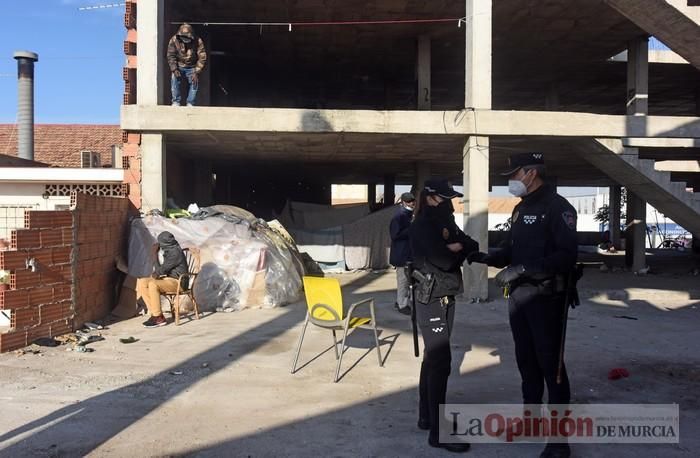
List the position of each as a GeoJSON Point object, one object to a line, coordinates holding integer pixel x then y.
{"type": "Point", "coordinates": [181, 54]}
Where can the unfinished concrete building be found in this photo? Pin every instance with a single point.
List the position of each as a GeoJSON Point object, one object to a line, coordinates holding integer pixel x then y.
{"type": "Point", "coordinates": [302, 94]}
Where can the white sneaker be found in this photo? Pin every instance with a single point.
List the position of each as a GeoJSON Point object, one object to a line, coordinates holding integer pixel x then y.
{"type": "Point", "coordinates": [190, 105]}
{"type": "Point", "coordinates": [175, 104]}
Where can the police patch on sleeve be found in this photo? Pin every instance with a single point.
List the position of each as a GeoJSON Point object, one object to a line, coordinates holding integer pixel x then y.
{"type": "Point", "coordinates": [569, 219]}
{"type": "Point", "coordinates": [445, 233]}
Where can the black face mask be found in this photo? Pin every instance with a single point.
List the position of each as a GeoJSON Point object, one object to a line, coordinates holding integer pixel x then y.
{"type": "Point", "coordinates": [442, 210]}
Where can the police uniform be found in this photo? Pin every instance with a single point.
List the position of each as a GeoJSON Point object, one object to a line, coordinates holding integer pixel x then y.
{"type": "Point", "coordinates": [540, 253]}
{"type": "Point", "coordinates": [430, 233]}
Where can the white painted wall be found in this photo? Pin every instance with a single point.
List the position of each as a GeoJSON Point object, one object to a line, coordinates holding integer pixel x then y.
{"type": "Point", "coordinates": [15, 196]}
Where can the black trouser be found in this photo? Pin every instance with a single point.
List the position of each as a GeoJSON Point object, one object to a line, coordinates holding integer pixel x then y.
{"type": "Point", "coordinates": [536, 323]}
{"type": "Point", "coordinates": [435, 321]}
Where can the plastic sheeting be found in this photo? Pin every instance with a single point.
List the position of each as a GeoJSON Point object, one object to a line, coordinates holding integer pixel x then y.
{"type": "Point", "coordinates": [244, 262]}
{"type": "Point", "coordinates": [367, 240]}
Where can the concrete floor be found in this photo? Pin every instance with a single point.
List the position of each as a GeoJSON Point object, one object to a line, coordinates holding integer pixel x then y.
{"type": "Point", "coordinates": [221, 386]}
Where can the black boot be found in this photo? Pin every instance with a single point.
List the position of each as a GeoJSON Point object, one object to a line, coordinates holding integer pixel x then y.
{"type": "Point", "coordinates": [556, 451]}
{"type": "Point", "coordinates": [457, 447]}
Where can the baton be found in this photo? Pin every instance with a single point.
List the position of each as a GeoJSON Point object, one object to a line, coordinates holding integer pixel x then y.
{"type": "Point", "coordinates": [411, 283]}
{"type": "Point", "coordinates": [565, 318]}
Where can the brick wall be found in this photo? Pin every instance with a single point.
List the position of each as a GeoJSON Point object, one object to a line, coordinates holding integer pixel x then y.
{"type": "Point", "coordinates": [74, 281]}
{"type": "Point", "coordinates": [131, 140]}
{"type": "Point", "coordinates": [40, 302]}
{"type": "Point", "coordinates": [100, 235]}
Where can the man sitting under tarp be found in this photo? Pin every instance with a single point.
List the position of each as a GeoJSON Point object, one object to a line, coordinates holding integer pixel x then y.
{"type": "Point", "coordinates": [169, 265]}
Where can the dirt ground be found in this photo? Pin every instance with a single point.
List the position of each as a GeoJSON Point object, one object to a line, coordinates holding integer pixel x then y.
{"type": "Point", "coordinates": [221, 386]}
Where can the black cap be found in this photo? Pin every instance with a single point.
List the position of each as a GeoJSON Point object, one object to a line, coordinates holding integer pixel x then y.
{"type": "Point", "coordinates": [441, 187]}
{"type": "Point", "coordinates": [516, 161]}
{"type": "Point", "coordinates": [407, 197]}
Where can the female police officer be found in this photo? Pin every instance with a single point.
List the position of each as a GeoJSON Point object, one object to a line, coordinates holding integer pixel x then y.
{"type": "Point", "coordinates": [439, 248]}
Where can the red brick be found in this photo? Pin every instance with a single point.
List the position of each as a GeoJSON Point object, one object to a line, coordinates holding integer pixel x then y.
{"type": "Point", "coordinates": [67, 235]}
{"type": "Point", "coordinates": [56, 274]}
{"type": "Point", "coordinates": [25, 317]}
{"type": "Point", "coordinates": [61, 293]}
{"type": "Point", "coordinates": [13, 260]}
{"type": "Point", "coordinates": [61, 255]}
{"type": "Point", "coordinates": [25, 238]}
{"type": "Point", "coordinates": [14, 298]}
{"type": "Point", "coordinates": [49, 313]}
{"type": "Point", "coordinates": [24, 278]}
{"type": "Point", "coordinates": [41, 295]}
{"type": "Point", "coordinates": [12, 340]}
{"type": "Point", "coordinates": [131, 149]}
{"type": "Point", "coordinates": [42, 330]}
{"type": "Point", "coordinates": [133, 137]}
{"type": "Point", "coordinates": [51, 237]}
{"type": "Point", "coordinates": [61, 327]}
{"type": "Point", "coordinates": [48, 219]}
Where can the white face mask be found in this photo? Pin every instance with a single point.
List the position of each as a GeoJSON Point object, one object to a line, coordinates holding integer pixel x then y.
{"type": "Point", "coordinates": [517, 188]}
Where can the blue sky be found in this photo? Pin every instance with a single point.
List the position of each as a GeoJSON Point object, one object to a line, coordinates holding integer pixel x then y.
{"type": "Point", "coordinates": [78, 76]}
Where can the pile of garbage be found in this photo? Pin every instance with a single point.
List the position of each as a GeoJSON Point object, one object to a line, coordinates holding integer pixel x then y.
{"type": "Point", "coordinates": [244, 261]}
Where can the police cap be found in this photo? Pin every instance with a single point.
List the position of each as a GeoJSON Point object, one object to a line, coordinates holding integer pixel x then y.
{"type": "Point", "coordinates": [516, 161]}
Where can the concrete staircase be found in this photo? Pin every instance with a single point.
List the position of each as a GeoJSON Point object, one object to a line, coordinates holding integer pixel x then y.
{"type": "Point", "coordinates": [623, 165]}
{"type": "Point", "coordinates": [671, 21]}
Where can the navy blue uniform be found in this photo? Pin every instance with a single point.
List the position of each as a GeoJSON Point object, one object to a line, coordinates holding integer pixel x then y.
{"type": "Point", "coordinates": [430, 233]}
{"type": "Point", "coordinates": [543, 240]}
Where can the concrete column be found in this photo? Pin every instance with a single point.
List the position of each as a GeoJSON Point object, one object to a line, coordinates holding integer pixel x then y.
{"type": "Point", "coordinates": [638, 77]}
{"type": "Point", "coordinates": [477, 95]}
{"type": "Point", "coordinates": [153, 173]}
{"type": "Point", "coordinates": [476, 212]}
{"type": "Point", "coordinates": [636, 219]}
{"type": "Point", "coordinates": [372, 194]}
{"type": "Point", "coordinates": [150, 23]}
{"type": "Point", "coordinates": [389, 191]}
{"type": "Point", "coordinates": [614, 211]}
{"type": "Point", "coordinates": [423, 69]}
{"type": "Point", "coordinates": [637, 105]}
{"type": "Point", "coordinates": [422, 174]}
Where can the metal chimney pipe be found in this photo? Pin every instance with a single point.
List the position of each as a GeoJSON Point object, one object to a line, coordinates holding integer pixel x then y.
{"type": "Point", "coordinates": [25, 103]}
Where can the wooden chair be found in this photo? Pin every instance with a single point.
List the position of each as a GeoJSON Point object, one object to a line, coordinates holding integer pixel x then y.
{"type": "Point", "coordinates": [193, 266]}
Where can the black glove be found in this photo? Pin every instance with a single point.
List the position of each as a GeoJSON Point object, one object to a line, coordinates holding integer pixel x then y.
{"type": "Point", "coordinates": [478, 257]}
{"type": "Point", "coordinates": [509, 275]}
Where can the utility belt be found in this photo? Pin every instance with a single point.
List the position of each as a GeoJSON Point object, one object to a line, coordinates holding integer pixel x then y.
{"type": "Point", "coordinates": [548, 286]}
{"type": "Point", "coordinates": [428, 286]}
{"type": "Point", "coordinates": [554, 285]}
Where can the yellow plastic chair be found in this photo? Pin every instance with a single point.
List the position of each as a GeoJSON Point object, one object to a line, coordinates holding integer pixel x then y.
{"type": "Point", "coordinates": [324, 303]}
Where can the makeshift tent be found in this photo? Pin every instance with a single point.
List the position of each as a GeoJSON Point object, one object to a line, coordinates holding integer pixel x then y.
{"type": "Point", "coordinates": [245, 262]}
{"type": "Point", "coordinates": [340, 237]}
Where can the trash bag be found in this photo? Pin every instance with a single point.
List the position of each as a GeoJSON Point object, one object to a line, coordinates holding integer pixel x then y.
{"type": "Point", "coordinates": [213, 289]}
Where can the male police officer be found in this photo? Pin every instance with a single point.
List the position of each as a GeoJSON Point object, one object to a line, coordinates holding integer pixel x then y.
{"type": "Point", "coordinates": [540, 253]}
{"type": "Point", "coordinates": [400, 253]}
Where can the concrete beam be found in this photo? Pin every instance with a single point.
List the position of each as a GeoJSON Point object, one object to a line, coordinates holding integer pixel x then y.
{"type": "Point", "coordinates": [661, 142]}
{"type": "Point", "coordinates": [487, 123]}
{"type": "Point", "coordinates": [670, 25]}
{"type": "Point", "coordinates": [677, 166]}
